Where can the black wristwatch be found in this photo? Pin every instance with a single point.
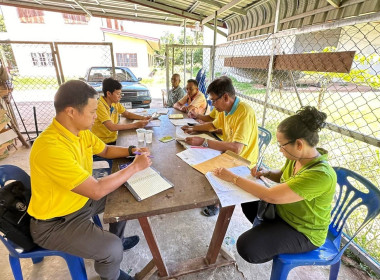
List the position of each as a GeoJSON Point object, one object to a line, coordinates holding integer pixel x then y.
{"type": "Point", "coordinates": [130, 150]}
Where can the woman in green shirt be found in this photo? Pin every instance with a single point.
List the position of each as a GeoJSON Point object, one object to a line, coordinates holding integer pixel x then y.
{"type": "Point", "coordinates": [303, 195]}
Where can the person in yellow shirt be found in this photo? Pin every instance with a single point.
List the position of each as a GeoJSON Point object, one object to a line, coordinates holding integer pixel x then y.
{"type": "Point", "coordinates": [109, 109]}
{"type": "Point", "coordinates": [194, 100]}
{"type": "Point", "coordinates": [64, 194]}
{"type": "Point", "coordinates": [237, 121]}
{"type": "Point", "coordinates": [208, 118]}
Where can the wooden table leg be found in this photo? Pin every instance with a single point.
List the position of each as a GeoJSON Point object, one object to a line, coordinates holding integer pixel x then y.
{"type": "Point", "coordinates": [219, 233]}
{"type": "Point", "coordinates": [152, 243]}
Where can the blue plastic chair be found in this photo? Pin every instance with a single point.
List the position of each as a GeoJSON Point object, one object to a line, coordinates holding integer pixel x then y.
{"type": "Point", "coordinates": [75, 264]}
{"type": "Point", "coordinates": [264, 139]}
{"type": "Point", "coordinates": [349, 198]}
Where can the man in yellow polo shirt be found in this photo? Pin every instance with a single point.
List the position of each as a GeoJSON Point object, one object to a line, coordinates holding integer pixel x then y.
{"type": "Point", "coordinates": [64, 194]}
{"type": "Point", "coordinates": [238, 123]}
{"type": "Point", "coordinates": [109, 109]}
{"type": "Point", "coordinates": [194, 100]}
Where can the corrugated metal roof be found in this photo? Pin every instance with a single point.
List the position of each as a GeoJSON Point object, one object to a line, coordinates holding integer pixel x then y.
{"type": "Point", "coordinates": [244, 18]}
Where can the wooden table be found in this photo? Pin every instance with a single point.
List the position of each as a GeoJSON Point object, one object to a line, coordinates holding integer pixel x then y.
{"type": "Point", "coordinates": [191, 190]}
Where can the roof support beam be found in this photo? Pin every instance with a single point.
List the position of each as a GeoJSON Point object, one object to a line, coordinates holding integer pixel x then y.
{"type": "Point", "coordinates": [82, 7]}
{"type": "Point", "coordinates": [221, 11]}
{"type": "Point", "coordinates": [219, 5]}
{"type": "Point", "coordinates": [171, 10]}
{"type": "Point", "coordinates": [218, 31]}
{"type": "Point", "coordinates": [334, 3]}
{"type": "Point", "coordinates": [193, 7]}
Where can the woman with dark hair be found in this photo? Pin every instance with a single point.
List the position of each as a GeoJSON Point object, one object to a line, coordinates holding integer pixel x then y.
{"type": "Point", "coordinates": [302, 197]}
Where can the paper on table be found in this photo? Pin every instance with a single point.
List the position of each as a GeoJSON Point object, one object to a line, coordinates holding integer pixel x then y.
{"type": "Point", "coordinates": [163, 111]}
{"type": "Point", "coordinates": [197, 155]}
{"type": "Point", "coordinates": [183, 122]}
{"type": "Point", "coordinates": [227, 160]}
{"type": "Point", "coordinates": [152, 123]}
{"type": "Point", "coordinates": [181, 135]}
{"type": "Point", "coordinates": [230, 194]}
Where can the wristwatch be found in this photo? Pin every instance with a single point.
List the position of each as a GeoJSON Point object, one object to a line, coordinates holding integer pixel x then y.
{"type": "Point", "coordinates": [205, 143]}
{"type": "Point", "coordinates": [130, 152]}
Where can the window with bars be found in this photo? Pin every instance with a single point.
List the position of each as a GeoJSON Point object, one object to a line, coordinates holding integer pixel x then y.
{"type": "Point", "coordinates": [126, 59]}
{"type": "Point", "coordinates": [30, 15]}
{"type": "Point", "coordinates": [75, 19]}
{"type": "Point", "coordinates": [42, 59]}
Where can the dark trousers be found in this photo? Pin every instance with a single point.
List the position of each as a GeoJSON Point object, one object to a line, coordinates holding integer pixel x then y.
{"type": "Point", "coordinates": [261, 243]}
{"type": "Point", "coordinates": [76, 234]}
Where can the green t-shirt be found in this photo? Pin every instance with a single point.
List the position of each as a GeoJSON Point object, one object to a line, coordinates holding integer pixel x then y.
{"type": "Point", "coordinates": [310, 216]}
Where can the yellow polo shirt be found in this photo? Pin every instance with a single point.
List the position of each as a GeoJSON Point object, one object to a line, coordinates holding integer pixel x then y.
{"type": "Point", "coordinates": [240, 125]}
{"type": "Point", "coordinates": [59, 162]}
{"type": "Point", "coordinates": [106, 113]}
{"type": "Point", "coordinates": [213, 114]}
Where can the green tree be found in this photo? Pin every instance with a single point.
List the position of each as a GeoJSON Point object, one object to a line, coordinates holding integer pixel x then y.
{"type": "Point", "coordinates": [7, 48]}
{"type": "Point", "coordinates": [192, 38]}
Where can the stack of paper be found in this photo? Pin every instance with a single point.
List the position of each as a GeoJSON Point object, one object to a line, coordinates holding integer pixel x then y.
{"type": "Point", "coordinates": [152, 123]}
{"type": "Point", "coordinates": [183, 122]}
{"type": "Point", "coordinates": [180, 135]}
{"type": "Point", "coordinates": [162, 111]}
{"type": "Point", "coordinates": [195, 155]}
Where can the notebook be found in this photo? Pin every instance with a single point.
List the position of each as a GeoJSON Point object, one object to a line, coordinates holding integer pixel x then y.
{"type": "Point", "coordinates": [147, 183]}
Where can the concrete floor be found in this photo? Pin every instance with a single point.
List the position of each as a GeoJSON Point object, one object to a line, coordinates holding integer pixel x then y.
{"type": "Point", "coordinates": [181, 236]}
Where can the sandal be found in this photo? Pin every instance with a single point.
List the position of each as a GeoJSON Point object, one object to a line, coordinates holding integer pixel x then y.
{"type": "Point", "coordinates": [210, 210]}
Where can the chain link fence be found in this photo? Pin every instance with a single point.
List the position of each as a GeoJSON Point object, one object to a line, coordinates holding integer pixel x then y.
{"type": "Point", "coordinates": [350, 100]}
{"type": "Point", "coordinates": [38, 68]}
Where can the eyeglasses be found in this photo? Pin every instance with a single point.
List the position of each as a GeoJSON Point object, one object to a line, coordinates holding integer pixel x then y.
{"type": "Point", "coordinates": [214, 101]}
{"type": "Point", "coordinates": [282, 146]}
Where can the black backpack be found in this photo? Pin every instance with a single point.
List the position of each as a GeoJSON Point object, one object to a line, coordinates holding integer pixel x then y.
{"type": "Point", "coordinates": [14, 220]}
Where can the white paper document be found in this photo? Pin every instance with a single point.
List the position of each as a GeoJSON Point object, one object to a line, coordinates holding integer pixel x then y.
{"type": "Point", "coordinates": [182, 122]}
{"type": "Point", "coordinates": [162, 111]}
{"type": "Point", "coordinates": [181, 135]}
{"type": "Point", "coordinates": [230, 194]}
{"type": "Point", "coordinates": [197, 155]}
{"type": "Point", "coordinates": [152, 123]}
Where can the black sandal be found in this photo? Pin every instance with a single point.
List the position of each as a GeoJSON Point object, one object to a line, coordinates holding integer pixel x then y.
{"type": "Point", "coordinates": [210, 211]}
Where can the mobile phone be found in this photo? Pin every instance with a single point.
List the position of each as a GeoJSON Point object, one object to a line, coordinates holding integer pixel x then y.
{"type": "Point", "coordinates": [190, 124]}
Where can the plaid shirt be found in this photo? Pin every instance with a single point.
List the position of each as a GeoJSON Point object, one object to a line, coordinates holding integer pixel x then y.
{"type": "Point", "coordinates": [175, 95]}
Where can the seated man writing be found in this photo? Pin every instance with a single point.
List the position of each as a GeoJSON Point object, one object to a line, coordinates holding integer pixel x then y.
{"type": "Point", "coordinates": [64, 194]}
{"type": "Point", "coordinates": [238, 122]}
{"type": "Point", "coordinates": [194, 100]}
{"type": "Point", "coordinates": [176, 93]}
{"type": "Point", "coordinates": [109, 108]}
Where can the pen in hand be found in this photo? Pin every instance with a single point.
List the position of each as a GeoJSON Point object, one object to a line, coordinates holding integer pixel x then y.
{"type": "Point", "coordinates": [139, 154]}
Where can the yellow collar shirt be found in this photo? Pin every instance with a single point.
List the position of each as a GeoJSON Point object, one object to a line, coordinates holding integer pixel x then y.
{"type": "Point", "coordinates": [59, 162]}
{"type": "Point", "coordinates": [240, 125]}
{"type": "Point", "coordinates": [105, 113]}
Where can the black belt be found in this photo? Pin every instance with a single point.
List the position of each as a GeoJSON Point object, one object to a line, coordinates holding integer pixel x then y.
{"type": "Point", "coordinates": [48, 220]}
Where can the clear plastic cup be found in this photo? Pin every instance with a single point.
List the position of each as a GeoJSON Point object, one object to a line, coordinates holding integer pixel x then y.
{"type": "Point", "coordinates": [148, 136]}
{"type": "Point", "coordinates": [140, 134]}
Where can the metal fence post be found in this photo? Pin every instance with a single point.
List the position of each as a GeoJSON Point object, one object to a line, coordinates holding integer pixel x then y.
{"type": "Point", "coordinates": [270, 66]}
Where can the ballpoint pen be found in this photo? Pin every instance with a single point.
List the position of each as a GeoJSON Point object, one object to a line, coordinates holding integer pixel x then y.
{"type": "Point", "coordinates": [139, 153]}
{"type": "Point", "coordinates": [259, 163]}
